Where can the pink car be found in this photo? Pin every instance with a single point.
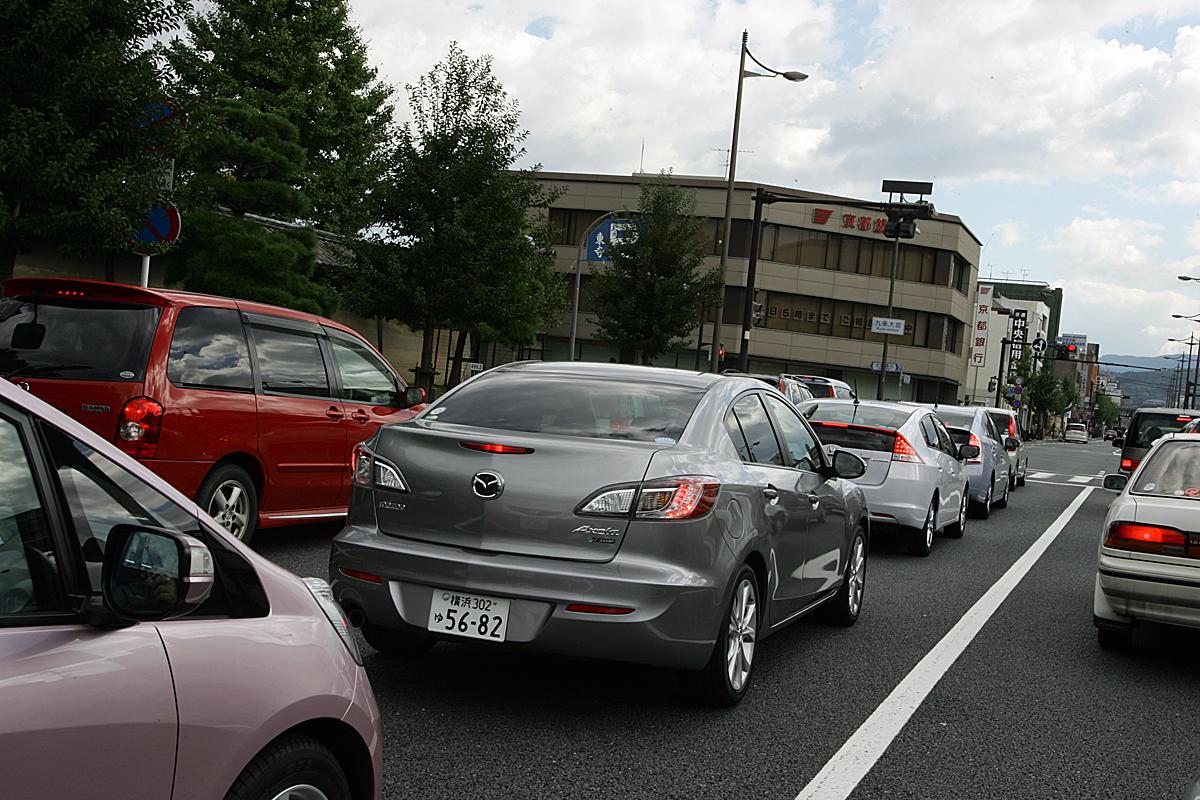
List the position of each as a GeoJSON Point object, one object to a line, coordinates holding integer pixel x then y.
{"type": "Point", "coordinates": [144, 652]}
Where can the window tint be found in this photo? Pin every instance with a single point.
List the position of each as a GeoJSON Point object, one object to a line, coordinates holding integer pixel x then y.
{"type": "Point", "coordinates": [991, 429]}
{"type": "Point", "coordinates": [290, 362]}
{"type": "Point", "coordinates": [736, 436]}
{"type": "Point", "coordinates": [1145, 428]}
{"type": "Point", "coordinates": [1004, 423]}
{"type": "Point", "coordinates": [961, 418]}
{"type": "Point", "coordinates": [80, 341]}
{"type": "Point", "coordinates": [101, 494]}
{"type": "Point", "coordinates": [858, 414]}
{"type": "Point", "coordinates": [929, 431]}
{"type": "Point", "coordinates": [29, 580]}
{"type": "Point", "coordinates": [208, 349]}
{"type": "Point", "coordinates": [944, 439]}
{"type": "Point", "coordinates": [1173, 471]}
{"type": "Point", "coordinates": [570, 406]}
{"type": "Point", "coordinates": [760, 436]}
{"type": "Point", "coordinates": [803, 449]}
{"type": "Point", "coordinates": [365, 378]}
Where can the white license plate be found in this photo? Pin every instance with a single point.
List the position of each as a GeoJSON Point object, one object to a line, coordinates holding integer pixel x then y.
{"type": "Point", "coordinates": [470, 615]}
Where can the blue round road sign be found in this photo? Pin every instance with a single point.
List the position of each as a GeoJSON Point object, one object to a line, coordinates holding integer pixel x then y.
{"type": "Point", "coordinates": [157, 227]}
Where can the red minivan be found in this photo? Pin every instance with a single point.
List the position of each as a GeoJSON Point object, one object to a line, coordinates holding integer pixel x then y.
{"type": "Point", "coordinates": [251, 409]}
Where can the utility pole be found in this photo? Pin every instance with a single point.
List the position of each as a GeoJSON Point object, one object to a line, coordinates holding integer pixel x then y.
{"type": "Point", "coordinates": [1000, 375]}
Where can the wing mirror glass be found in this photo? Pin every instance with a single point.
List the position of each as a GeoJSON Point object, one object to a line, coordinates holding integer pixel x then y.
{"type": "Point", "coordinates": [413, 396]}
{"type": "Point", "coordinates": [1119, 442]}
{"type": "Point", "coordinates": [1116, 482]}
{"type": "Point", "coordinates": [847, 465]}
{"type": "Point", "coordinates": [152, 574]}
{"type": "Point", "coordinates": [1011, 444]}
{"type": "Point", "coordinates": [968, 451]}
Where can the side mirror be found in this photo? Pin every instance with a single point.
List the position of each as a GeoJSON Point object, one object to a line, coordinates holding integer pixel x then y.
{"type": "Point", "coordinates": [413, 396]}
{"type": "Point", "coordinates": [1011, 444]}
{"type": "Point", "coordinates": [968, 451]}
{"type": "Point", "coordinates": [847, 465]}
{"type": "Point", "coordinates": [1116, 482]}
{"type": "Point", "coordinates": [152, 574]}
{"type": "Point", "coordinates": [1118, 442]}
{"type": "Point", "coordinates": [28, 336]}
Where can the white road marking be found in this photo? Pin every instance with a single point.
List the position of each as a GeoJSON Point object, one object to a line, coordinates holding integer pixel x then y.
{"type": "Point", "coordinates": [1060, 483]}
{"type": "Point", "coordinates": [1042, 475]}
{"type": "Point", "coordinates": [849, 765]}
{"type": "Point", "coordinates": [1081, 478]}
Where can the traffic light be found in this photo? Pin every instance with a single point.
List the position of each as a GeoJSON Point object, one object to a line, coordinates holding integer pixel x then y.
{"type": "Point", "coordinates": [721, 352]}
{"type": "Point", "coordinates": [900, 227]}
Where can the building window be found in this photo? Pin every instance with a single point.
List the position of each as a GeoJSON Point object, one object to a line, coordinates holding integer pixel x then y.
{"type": "Point", "coordinates": [823, 316]}
{"type": "Point", "coordinates": [568, 225]}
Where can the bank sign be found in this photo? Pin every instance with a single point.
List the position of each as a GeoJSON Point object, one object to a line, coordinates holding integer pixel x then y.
{"type": "Point", "coordinates": [983, 313]}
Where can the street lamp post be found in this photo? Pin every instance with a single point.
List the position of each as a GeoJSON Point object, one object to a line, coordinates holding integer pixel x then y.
{"type": "Point", "coordinates": [791, 75]}
{"type": "Point", "coordinates": [1188, 384]}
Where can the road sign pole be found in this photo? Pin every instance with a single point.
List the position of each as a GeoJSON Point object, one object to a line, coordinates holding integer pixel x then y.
{"type": "Point", "coordinates": [145, 271]}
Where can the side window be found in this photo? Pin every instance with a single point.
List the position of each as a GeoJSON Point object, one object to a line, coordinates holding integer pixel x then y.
{"type": "Point", "coordinates": [929, 430]}
{"type": "Point", "coordinates": [101, 494]}
{"type": "Point", "coordinates": [290, 362]}
{"type": "Point", "coordinates": [736, 436]}
{"type": "Point", "coordinates": [209, 351]}
{"type": "Point", "coordinates": [760, 436]}
{"type": "Point", "coordinates": [803, 449]}
{"type": "Point", "coordinates": [992, 433]}
{"type": "Point", "coordinates": [944, 441]}
{"type": "Point", "coordinates": [365, 378]}
{"type": "Point", "coordinates": [29, 580]}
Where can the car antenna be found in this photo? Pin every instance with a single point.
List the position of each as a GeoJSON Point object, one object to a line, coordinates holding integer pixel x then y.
{"type": "Point", "coordinates": [855, 379]}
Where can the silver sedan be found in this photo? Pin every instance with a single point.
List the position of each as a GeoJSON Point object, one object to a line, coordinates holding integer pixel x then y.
{"type": "Point", "coordinates": [1149, 560]}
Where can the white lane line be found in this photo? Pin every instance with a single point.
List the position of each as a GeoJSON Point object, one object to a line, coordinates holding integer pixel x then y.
{"type": "Point", "coordinates": [1042, 475]}
{"type": "Point", "coordinates": [1080, 478]}
{"type": "Point", "coordinates": [849, 765]}
{"type": "Point", "coordinates": [1057, 483]}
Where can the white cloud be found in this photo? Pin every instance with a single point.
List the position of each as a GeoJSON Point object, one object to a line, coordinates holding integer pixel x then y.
{"type": "Point", "coordinates": [1192, 237]}
{"type": "Point", "coordinates": [1108, 246]}
{"type": "Point", "coordinates": [1010, 233]}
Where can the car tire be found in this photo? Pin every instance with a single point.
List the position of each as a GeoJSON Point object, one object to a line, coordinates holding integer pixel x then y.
{"type": "Point", "coordinates": [959, 527]}
{"type": "Point", "coordinates": [229, 496]}
{"type": "Point", "coordinates": [390, 642]}
{"type": "Point", "coordinates": [292, 762]}
{"type": "Point", "coordinates": [1117, 639]}
{"type": "Point", "coordinates": [984, 510]}
{"type": "Point", "coordinates": [718, 683]}
{"type": "Point", "coordinates": [846, 604]}
{"type": "Point", "coordinates": [1022, 473]}
{"type": "Point", "coordinates": [921, 539]}
{"type": "Point", "coordinates": [1003, 501]}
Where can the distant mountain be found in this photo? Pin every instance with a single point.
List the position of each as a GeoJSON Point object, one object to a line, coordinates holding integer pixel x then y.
{"type": "Point", "coordinates": [1153, 362]}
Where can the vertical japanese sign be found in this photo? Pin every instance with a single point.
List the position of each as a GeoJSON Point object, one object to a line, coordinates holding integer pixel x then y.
{"type": "Point", "coordinates": [1020, 334]}
{"type": "Point", "coordinates": [983, 311]}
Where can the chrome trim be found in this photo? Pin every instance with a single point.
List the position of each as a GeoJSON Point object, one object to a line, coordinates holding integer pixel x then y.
{"type": "Point", "coordinates": [808, 607]}
{"type": "Point", "coordinates": [322, 515]}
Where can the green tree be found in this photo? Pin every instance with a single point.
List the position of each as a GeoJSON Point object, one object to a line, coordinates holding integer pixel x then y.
{"type": "Point", "coordinates": [1107, 412]}
{"type": "Point", "coordinates": [1067, 397]}
{"type": "Point", "coordinates": [306, 62]}
{"type": "Point", "coordinates": [652, 293]}
{"type": "Point", "coordinates": [470, 254]}
{"type": "Point", "coordinates": [243, 163]}
{"type": "Point", "coordinates": [74, 167]}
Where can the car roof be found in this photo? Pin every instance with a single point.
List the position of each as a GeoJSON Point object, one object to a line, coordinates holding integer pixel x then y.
{"type": "Point", "coordinates": [994, 410]}
{"type": "Point", "coordinates": [25, 286]}
{"type": "Point", "coordinates": [846, 401]}
{"type": "Point", "coordinates": [630, 372]}
{"type": "Point", "coordinates": [1191, 411]}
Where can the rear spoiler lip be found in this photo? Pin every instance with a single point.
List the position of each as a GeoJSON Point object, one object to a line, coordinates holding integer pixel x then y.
{"type": "Point", "coordinates": [27, 287]}
{"type": "Point", "coordinates": [856, 426]}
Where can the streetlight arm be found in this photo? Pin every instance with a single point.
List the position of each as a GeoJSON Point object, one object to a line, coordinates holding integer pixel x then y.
{"type": "Point", "coordinates": [791, 75]}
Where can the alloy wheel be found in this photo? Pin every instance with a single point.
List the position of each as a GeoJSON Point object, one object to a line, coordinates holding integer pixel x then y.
{"type": "Point", "coordinates": [858, 575]}
{"type": "Point", "coordinates": [962, 511]}
{"type": "Point", "coordinates": [741, 634]}
{"type": "Point", "coordinates": [302, 792]}
{"type": "Point", "coordinates": [230, 506]}
{"type": "Point", "coordinates": [930, 525]}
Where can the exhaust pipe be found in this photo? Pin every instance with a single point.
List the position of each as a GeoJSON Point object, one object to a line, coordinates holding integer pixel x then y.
{"type": "Point", "coordinates": [356, 616]}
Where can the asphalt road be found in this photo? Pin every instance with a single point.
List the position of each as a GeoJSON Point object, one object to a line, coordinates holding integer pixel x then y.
{"type": "Point", "coordinates": [1031, 709]}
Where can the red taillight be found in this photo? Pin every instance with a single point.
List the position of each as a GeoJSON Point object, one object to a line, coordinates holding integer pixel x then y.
{"type": "Point", "coordinates": [369, 577]}
{"type": "Point", "coordinates": [70, 293]}
{"type": "Point", "coordinates": [1129, 464]}
{"type": "Point", "coordinates": [1146, 539]}
{"type": "Point", "coordinates": [492, 447]}
{"type": "Point", "coordinates": [1012, 427]}
{"type": "Point", "coordinates": [685, 497]}
{"type": "Point", "coordinates": [975, 442]}
{"type": "Point", "coordinates": [903, 451]}
{"type": "Point", "coordinates": [139, 426]}
{"type": "Point", "coordinates": [589, 608]}
{"type": "Point", "coordinates": [834, 424]}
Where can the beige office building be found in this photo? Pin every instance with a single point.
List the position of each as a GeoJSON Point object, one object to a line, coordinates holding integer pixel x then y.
{"type": "Point", "coordinates": [822, 276]}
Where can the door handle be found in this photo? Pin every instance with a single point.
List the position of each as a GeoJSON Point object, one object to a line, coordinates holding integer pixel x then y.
{"type": "Point", "coordinates": [360, 416]}
{"type": "Point", "coordinates": [772, 494]}
{"type": "Point", "coordinates": [334, 413]}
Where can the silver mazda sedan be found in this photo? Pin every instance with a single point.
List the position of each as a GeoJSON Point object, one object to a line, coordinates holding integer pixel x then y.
{"type": "Point", "coordinates": [634, 513]}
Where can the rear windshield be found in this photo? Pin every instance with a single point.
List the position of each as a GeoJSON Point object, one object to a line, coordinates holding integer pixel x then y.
{"type": "Point", "coordinates": [1003, 422]}
{"type": "Point", "coordinates": [1173, 471]}
{"type": "Point", "coordinates": [860, 427]}
{"type": "Point", "coordinates": [81, 341]}
{"type": "Point", "coordinates": [844, 435]}
{"type": "Point", "coordinates": [569, 406]}
{"type": "Point", "coordinates": [819, 389]}
{"type": "Point", "coordinates": [959, 435]}
{"type": "Point", "coordinates": [1145, 428]}
{"type": "Point", "coordinates": [956, 416]}
{"type": "Point", "coordinates": [1075, 426]}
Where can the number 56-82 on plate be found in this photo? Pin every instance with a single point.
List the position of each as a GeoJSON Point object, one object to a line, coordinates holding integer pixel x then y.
{"type": "Point", "coordinates": [470, 615]}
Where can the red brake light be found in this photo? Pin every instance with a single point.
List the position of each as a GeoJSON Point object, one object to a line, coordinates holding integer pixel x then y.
{"type": "Point", "coordinates": [1012, 427]}
{"type": "Point", "coordinates": [369, 577]}
{"type": "Point", "coordinates": [1183, 419]}
{"type": "Point", "coordinates": [491, 447]}
{"type": "Point", "coordinates": [834, 424]}
{"type": "Point", "coordinates": [1146, 539]}
{"type": "Point", "coordinates": [1129, 464]}
{"type": "Point", "coordinates": [974, 441]}
{"type": "Point", "coordinates": [139, 427]}
{"type": "Point", "coordinates": [588, 608]}
{"type": "Point", "coordinates": [70, 293]}
{"type": "Point", "coordinates": [677, 498]}
{"type": "Point", "coordinates": [903, 451]}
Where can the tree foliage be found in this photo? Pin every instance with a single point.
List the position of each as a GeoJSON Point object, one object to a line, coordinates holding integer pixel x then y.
{"type": "Point", "coordinates": [1107, 412]}
{"type": "Point", "coordinates": [307, 63]}
{"type": "Point", "coordinates": [243, 162]}
{"type": "Point", "coordinates": [465, 252]}
{"type": "Point", "coordinates": [74, 167]}
{"type": "Point", "coordinates": [653, 292]}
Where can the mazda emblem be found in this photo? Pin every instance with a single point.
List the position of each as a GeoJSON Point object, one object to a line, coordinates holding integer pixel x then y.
{"type": "Point", "coordinates": [487, 485]}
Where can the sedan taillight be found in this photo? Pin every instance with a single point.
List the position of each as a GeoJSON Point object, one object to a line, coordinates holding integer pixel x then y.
{"type": "Point", "coordinates": [139, 427]}
{"type": "Point", "coordinates": [372, 472]}
{"type": "Point", "coordinates": [1147, 539]}
{"type": "Point", "coordinates": [976, 442]}
{"type": "Point", "coordinates": [683, 497]}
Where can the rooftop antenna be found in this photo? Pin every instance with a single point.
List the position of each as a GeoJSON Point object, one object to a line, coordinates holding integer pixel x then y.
{"type": "Point", "coordinates": [725, 150]}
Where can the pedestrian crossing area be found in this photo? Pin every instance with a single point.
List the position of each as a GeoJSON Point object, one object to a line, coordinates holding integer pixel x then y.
{"type": "Point", "coordinates": [1067, 480]}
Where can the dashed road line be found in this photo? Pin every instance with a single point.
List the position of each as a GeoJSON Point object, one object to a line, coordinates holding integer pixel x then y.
{"type": "Point", "coordinates": [1042, 475]}
{"type": "Point", "coordinates": [1081, 478]}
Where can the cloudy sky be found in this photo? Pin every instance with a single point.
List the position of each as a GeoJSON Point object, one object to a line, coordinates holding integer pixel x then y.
{"type": "Point", "coordinates": [1066, 133]}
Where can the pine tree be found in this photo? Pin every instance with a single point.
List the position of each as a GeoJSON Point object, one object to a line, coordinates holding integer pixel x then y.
{"type": "Point", "coordinates": [306, 62]}
{"type": "Point", "coordinates": [244, 162]}
{"type": "Point", "coordinates": [75, 168]}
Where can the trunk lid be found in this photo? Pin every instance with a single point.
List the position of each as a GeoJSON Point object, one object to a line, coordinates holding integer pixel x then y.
{"type": "Point", "coordinates": [534, 511]}
{"type": "Point", "coordinates": [96, 404]}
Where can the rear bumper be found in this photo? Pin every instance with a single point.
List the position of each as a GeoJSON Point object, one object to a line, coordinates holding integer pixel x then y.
{"type": "Point", "coordinates": [899, 500]}
{"type": "Point", "coordinates": [674, 623]}
{"type": "Point", "coordinates": [1129, 590]}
